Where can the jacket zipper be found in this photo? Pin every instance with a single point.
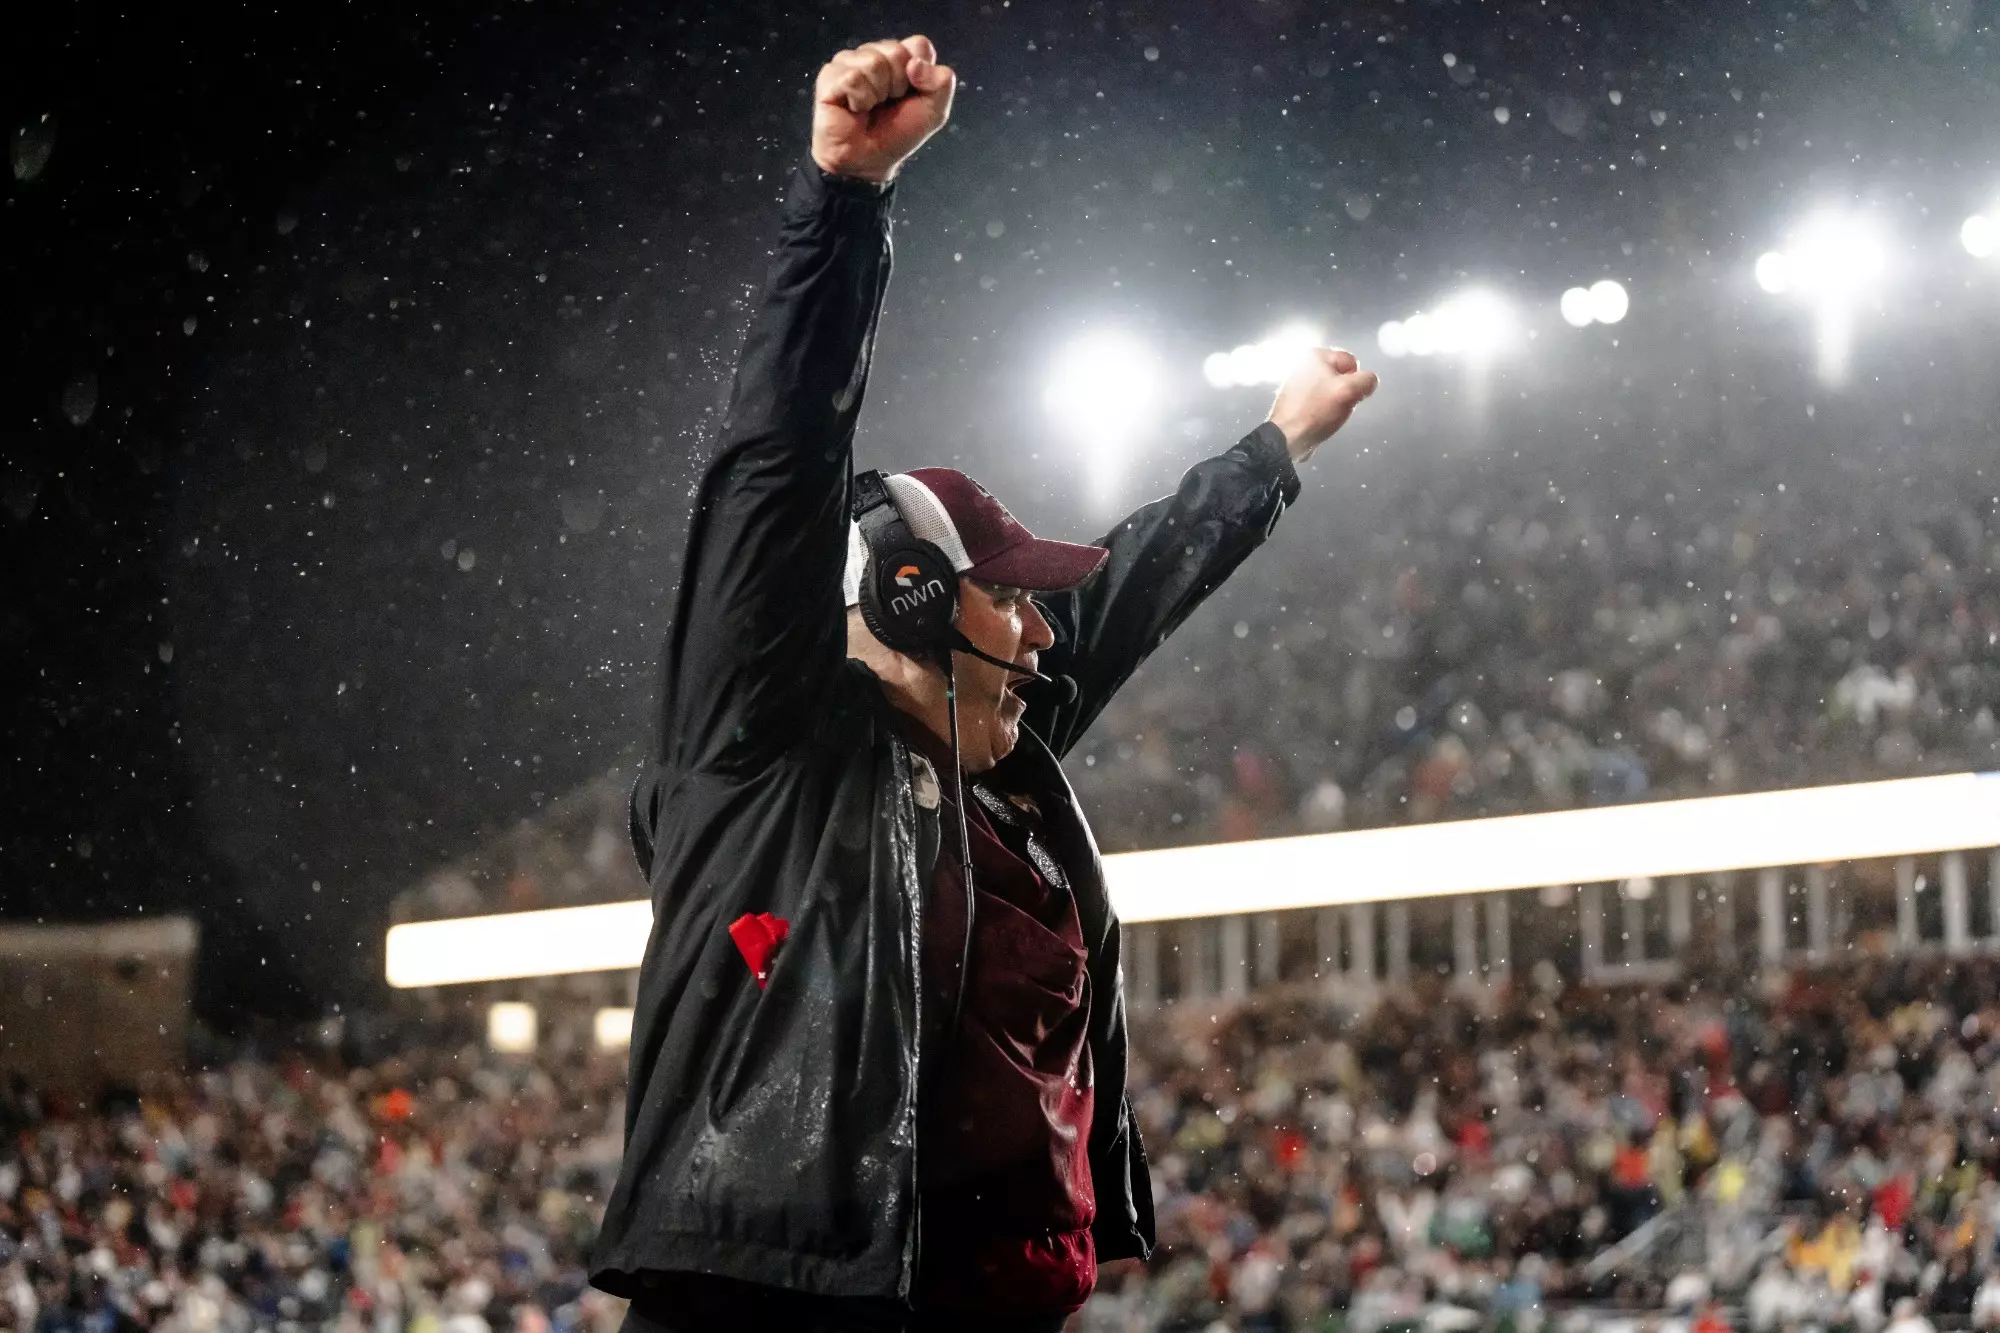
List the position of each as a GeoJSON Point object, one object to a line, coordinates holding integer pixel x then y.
{"type": "Point", "coordinates": [913, 1247]}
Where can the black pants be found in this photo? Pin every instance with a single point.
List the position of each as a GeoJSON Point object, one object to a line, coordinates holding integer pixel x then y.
{"type": "Point", "coordinates": [720, 1306]}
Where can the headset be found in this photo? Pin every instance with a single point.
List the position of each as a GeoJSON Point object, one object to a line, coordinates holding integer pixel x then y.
{"type": "Point", "coordinates": [909, 601]}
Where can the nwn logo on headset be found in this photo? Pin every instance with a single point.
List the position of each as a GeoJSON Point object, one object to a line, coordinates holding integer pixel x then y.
{"type": "Point", "coordinates": [918, 594]}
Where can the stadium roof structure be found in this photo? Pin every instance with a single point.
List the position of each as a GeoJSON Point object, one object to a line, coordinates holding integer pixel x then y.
{"type": "Point", "coordinates": [1657, 839]}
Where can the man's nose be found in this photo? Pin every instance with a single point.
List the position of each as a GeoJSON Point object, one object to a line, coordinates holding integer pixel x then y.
{"type": "Point", "coordinates": [1036, 632]}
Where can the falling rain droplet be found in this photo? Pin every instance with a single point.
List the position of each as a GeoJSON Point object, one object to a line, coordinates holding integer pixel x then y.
{"type": "Point", "coordinates": [996, 229]}
{"type": "Point", "coordinates": [287, 220]}
{"type": "Point", "coordinates": [1502, 114]}
{"type": "Point", "coordinates": [1152, 53]}
{"type": "Point", "coordinates": [582, 511]}
{"type": "Point", "coordinates": [1358, 206]}
{"type": "Point", "coordinates": [166, 652]}
{"type": "Point", "coordinates": [188, 325]}
{"type": "Point", "coordinates": [28, 151]}
{"type": "Point", "coordinates": [467, 558]}
{"type": "Point", "coordinates": [79, 399]}
{"type": "Point", "coordinates": [1568, 116]}
{"type": "Point", "coordinates": [1659, 117]}
{"type": "Point", "coordinates": [197, 262]}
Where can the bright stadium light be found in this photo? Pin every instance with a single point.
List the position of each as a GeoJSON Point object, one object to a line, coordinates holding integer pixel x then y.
{"type": "Point", "coordinates": [613, 1029]}
{"type": "Point", "coordinates": [1246, 361]}
{"type": "Point", "coordinates": [1980, 236]}
{"type": "Point", "coordinates": [1392, 339]}
{"type": "Point", "coordinates": [1420, 332]}
{"type": "Point", "coordinates": [1603, 302]}
{"type": "Point", "coordinates": [1266, 362]}
{"type": "Point", "coordinates": [1105, 391]}
{"type": "Point", "coordinates": [510, 1028]}
{"type": "Point", "coordinates": [1831, 262]}
{"type": "Point", "coordinates": [1284, 349]}
{"type": "Point", "coordinates": [1832, 256]}
{"type": "Point", "coordinates": [1102, 384]}
{"type": "Point", "coordinates": [1576, 307]}
{"type": "Point", "coordinates": [1476, 325]}
{"type": "Point", "coordinates": [1836, 256]}
{"type": "Point", "coordinates": [1608, 301]}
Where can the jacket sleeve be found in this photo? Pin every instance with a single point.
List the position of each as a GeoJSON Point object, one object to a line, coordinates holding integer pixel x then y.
{"type": "Point", "coordinates": [758, 632]}
{"type": "Point", "coordinates": [1165, 558]}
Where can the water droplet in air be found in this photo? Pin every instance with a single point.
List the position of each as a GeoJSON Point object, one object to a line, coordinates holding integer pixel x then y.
{"type": "Point", "coordinates": [79, 399]}
{"type": "Point", "coordinates": [467, 558]}
{"type": "Point", "coordinates": [582, 511]}
{"type": "Point", "coordinates": [30, 147]}
{"type": "Point", "coordinates": [1568, 116]}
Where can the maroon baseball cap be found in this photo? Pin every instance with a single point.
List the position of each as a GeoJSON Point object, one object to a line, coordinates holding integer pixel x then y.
{"type": "Point", "coordinates": [982, 540]}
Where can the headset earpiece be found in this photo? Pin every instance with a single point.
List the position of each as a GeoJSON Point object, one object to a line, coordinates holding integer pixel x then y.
{"type": "Point", "coordinates": [909, 590]}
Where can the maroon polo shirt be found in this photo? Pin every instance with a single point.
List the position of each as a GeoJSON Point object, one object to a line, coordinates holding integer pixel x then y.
{"type": "Point", "coordinates": [1003, 1139]}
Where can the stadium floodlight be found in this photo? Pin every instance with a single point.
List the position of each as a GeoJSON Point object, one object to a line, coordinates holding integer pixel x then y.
{"type": "Point", "coordinates": [1831, 261]}
{"type": "Point", "coordinates": [1104, 384]}
{"type": "Point", "coordinates": [1266, 362]}
{"type": "Point", "coordinates": [1603, 302]}
{"type": "Point", "coordinates": [1833, 256]}
{"type": "Point", "coordinates": [1283, 350]}
{"type": "Point", "coordinates": [1608, 301]}
{"type": "Point", "coordinates": [1980, 235]}
{"type": "Point", "coordinates": [1836, 255]}
{"type": "Point", "coordinates": [1476, 325]}
{"type": "Point", "coordinates": [613, 1029]}
{"type": "Point", "coordinates": [510, 1028]}
{"type": "Point", "coordinates": [1774, 272]}
{"type": "Point", "coordinates": [1576, 307]}
{"type": "Point", "coordinates": [1104, 391]}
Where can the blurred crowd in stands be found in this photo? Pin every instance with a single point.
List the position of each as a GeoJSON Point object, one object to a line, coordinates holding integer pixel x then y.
{"type": "Point", "coordinates": [1821, 1152]}
{"type": "Point", "coordinates": [439, 1192]}
{"type": "Point", "coordinates": [1824, 1155]}
{"type": "Point", "coordinates": [1486, 634]}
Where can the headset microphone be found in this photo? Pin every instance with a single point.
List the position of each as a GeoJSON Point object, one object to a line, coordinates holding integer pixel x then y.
{"type": "Point", "coordinates": [1065, 686]}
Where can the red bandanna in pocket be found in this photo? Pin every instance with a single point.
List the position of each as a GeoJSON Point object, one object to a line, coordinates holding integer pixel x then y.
{"type": "Point", "coordinates": [757, 936]}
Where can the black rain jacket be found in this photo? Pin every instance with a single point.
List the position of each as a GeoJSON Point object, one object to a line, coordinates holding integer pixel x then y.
{"type": "Point", "coordinates": [771, 1135]}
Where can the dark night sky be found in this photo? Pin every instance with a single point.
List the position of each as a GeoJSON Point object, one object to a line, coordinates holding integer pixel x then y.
{"type": "Point", "coordinates": [360, 360]}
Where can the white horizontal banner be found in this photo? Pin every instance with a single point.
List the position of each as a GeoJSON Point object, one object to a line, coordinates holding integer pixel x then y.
{"type": "Point", "coordinates": [1656, 839]}
{"type": "Point", "coordinates": [1807, 826]}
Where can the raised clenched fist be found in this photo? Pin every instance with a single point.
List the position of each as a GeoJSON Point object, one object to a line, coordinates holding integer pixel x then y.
{"type": "Point", "coordinates": [875, 105]}
{"type": "Point", "coordinates": [1318, 397]}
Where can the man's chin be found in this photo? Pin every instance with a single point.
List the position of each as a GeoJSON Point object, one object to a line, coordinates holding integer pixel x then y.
{"type": "Point", "coordinates": [1004, 735]}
